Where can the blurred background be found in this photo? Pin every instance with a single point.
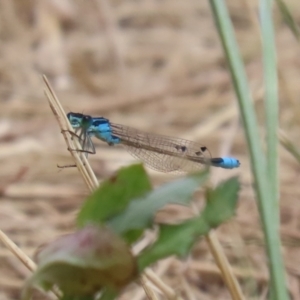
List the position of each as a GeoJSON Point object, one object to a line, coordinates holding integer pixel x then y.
{"type": "Point", "coordinates": [158, 66]}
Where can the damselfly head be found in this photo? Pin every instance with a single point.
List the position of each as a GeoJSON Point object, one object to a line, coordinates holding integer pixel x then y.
{"type": "Point", "coordinates": [79, 120]}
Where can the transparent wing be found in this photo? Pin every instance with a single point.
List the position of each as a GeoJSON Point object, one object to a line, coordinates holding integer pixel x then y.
{"type": "Point", "coordinates": [163, 153]}
{"type": "Point", "coordinates": [85, 141]}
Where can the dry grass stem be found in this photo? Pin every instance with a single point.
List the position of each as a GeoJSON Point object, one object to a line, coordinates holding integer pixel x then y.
{"type": "Point", "coordinates": [73, 144]}
{"type": "Point", "coordinates": [223, 264]}
{"type": "Point", "coordinates": [17, 252]}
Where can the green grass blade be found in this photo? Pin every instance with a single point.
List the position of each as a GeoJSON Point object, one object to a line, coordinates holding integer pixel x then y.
{"type": "Point", "coordinates": [258, 162]}
{"type": "Point", "coordinates": [271, 106]}
{"type": "Point", "coordinates": [271, 100]}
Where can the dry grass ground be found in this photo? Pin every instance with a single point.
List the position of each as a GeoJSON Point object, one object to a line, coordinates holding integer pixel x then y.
{"type": "Point", "coordinates": [157, 66]}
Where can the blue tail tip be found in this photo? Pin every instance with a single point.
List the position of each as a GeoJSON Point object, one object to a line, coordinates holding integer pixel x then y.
{"type": "Point", "coordinates": [225, 162]}
{"type": "Point", "coordinates": [230, 163]}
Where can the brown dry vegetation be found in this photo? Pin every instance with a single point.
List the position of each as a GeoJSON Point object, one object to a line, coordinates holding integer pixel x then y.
{"type": "Point", "coordinates": [157, 66]}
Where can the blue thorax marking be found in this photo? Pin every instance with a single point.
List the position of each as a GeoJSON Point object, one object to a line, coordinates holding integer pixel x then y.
{"type": "Point", "coordinates": [101, 129]}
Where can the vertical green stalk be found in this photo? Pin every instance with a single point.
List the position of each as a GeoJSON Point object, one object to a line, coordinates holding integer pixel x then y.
{"type": "Point", "coordinates": [271, 104]}
{"type": "Point", "coordinates": [265, 195]}
{"type": "Point", "coordinates": [271, 100]}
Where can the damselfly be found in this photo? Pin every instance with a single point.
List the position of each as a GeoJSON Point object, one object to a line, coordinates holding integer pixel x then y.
{"type": "Point", "coordinates": [162, 153]}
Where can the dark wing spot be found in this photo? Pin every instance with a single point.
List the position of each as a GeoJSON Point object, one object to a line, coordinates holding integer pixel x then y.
{"type": "Point", "coordinates": [180, 148]}
{"type": "Point", "coordinates": [203, 149]}
{"type": "Point", "coordinates": [198, 153]}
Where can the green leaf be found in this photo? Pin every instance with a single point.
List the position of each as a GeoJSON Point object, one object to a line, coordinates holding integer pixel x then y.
{"type": "Point", "coordinates": [179, 239]}
{"type": "Point", "coordinates": [221, 202]}
{"type": "Point", "coordinates": [114, 195]}
{"type": "Point", "coordinates": [84, 262]}
{"type": "Point", "coordinates": [140, 213]}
